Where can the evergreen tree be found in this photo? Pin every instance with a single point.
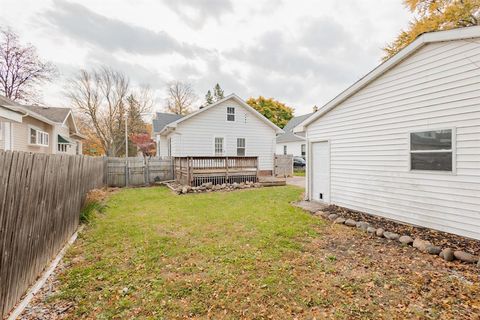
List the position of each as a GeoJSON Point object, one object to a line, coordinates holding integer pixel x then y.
{"type": "Point", "coordinates": [218, 92]}
{"type": "Point", "coordinates": [208, 98]}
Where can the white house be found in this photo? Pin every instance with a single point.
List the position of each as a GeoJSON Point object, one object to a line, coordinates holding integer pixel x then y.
{"type": "Point", "coordinates": [290, 142]}
{"type": "Point", "coordinates": [404, 141]}
{"type": "Point", "coordinates": [229, 127]}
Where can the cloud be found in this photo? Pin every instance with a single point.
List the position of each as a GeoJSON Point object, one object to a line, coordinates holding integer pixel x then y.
{"type": "Point", "coordinates": [83, 24]}
{"type": "Point", "coordinates": [197, 12]}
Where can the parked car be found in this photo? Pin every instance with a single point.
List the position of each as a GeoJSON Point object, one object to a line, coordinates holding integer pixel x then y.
{"type": "Point", "coordinates": [299, 162]}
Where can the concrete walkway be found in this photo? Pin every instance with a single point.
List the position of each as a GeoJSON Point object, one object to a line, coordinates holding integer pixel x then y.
{"type": "Point", "coordinates": [296, 181]}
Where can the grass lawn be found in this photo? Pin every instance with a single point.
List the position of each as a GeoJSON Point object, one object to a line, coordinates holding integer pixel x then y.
{"type": "Point", "coordinates": [299, 173]}
{"type": "Point", "coordinates": [246, 254]}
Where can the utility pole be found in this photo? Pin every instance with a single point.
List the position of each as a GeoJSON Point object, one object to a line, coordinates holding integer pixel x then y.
{"type": "Point", "coordinates": [126, 135]}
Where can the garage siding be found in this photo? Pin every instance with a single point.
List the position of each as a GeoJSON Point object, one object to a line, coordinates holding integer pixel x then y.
{"type": "Point", "coordinates": [438, 87]}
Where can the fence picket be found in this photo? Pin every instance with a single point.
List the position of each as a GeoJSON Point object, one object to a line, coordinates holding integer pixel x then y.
{"type": "Point", "coordinates": [40, 200]}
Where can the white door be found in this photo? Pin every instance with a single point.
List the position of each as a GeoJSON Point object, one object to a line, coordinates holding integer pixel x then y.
{"type": "Point", "coordinates": [320, 172]}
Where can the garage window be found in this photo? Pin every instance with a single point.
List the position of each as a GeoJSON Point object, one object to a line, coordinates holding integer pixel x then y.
{"type": "Point", "coordinates": [432, 150]}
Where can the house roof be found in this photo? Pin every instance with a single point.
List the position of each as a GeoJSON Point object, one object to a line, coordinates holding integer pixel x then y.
{"type": "Point", "coordinates": [57, 115]}
{"type": "Point", "coordinates": [4, 101]}
{"type": "Point", "coordinates": [232, 96]}
{"type": "Point", "coordinates": [289, 135]}
{"type": "Point", "coordinates": [162, 119]}
{"type": "Point", "coordinates": [424, 39]}
{"type": "Point", "coordinates": [8, 111]}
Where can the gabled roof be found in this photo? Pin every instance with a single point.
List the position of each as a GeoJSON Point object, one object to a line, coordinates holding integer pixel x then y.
{"type": "Point", "coordinates": [289, 136]}
{"type": "Point", "coordinates": [424, 39]}
{"type": "Point", "coordinates": [162, 119]}
{"type": "Point", "coordinates": [232, 96]}
{"type": "Point", "coordinates": [57, 115]}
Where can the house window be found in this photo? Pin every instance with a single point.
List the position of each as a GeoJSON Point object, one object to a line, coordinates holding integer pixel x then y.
{"type": "Point", "coordinates": [285, 150]}
{"type": "Point", "coordinates": [431, 150]}
{"type": "Point", "coordinates": [38, 137]}
{"type": "Point", "coordinates": [303, 150]}
{"type": "Point", "coordinates": [241, 147]}
{"type": "Point", "coordinates": [218, 146]}
{"type": "Point", "coordinates": [230, 114]}
{"type": "Point", "coordinates": [62, 147]}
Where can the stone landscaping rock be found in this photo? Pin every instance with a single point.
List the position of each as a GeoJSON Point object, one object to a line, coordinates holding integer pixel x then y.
{"type": "Point", "coordinates": [379, 232]}
{"type": "Point", "coordinates": [391, 235]}
{"type": "Point", "coordinates": [362, 225]}
{"type": "Point", "coordinates": [465, 257]}
{"type": "Point", "coordinates": [447, 254]}
{"type": "Point", "coordinates": [333, 216]}
{"type": "Point", "coordinates": [421, 244]}
{"type": "Point", "coordinates": [371, 230]}
{"type": "Point", "coordinates": [405, 240]}
{"type": "Point", "coordinates": [432, 249]}
{"type": "Point", "coordinates": [351, 222]}
{"type": "Point", "coordinates": [478, 263]}
{"type": "Point", "coordinates": [340, 220]}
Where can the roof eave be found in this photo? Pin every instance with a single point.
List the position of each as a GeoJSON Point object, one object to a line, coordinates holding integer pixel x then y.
{"type": "Point", "coordinates": [439, 36]}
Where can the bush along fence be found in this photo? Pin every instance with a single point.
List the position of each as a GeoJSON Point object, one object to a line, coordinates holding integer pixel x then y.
{"type": "Point", "coordinates": [123, 172]}
{"type": "Point", "coordinates": [40, 200]}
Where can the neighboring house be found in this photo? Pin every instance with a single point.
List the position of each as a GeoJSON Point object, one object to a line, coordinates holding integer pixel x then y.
{"type": "Point", "coordinates": [290, 142]}
{"type": "Point", "coordinates": [404, 141]}
{"type": "Point", "coordinates": [8, 115]}
{"type": "Point", "coordinates": [42, 129]}
{"type": "Point", "coordinates": [229, 127]}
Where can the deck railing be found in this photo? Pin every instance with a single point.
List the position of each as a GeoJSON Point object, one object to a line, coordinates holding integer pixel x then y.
{"type": "Point", "coordinates": [194, 171]}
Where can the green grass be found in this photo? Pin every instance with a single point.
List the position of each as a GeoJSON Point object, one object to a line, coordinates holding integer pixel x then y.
{"type": "Point", "coordinates": [299, 173]}
{"type": "Point", "coordinates": [245, 255]}
{"type": "Point", "coordinates": [155, 254]}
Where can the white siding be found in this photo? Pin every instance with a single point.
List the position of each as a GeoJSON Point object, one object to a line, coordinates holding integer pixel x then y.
{"type": "Point", "coordinates": [436, 88]}
{"type": "Point", "coordinates": [195, 136]}
{"type": "Point", "coordinates": [294, 148]}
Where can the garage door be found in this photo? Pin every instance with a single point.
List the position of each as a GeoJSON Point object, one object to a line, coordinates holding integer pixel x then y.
{"type": "Point", "coordinates": [320, 172]}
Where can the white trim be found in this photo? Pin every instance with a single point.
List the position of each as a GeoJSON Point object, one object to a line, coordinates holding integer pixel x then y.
{"type": "Point", "coordinates": [10, 115]}
{"type": "Point", "coordinates": [224, 144]}
{"type": "Point", "coordinates": [173, 125]}
{"type": "Point", "coordinates": [245, 146]}
{"type": "Point", "coordinates": [38, 130]}
{"type": "Point", "coordinates": [234, 114]}
{"type": "Point", "coordinates": [309, 171]}
{"type": "Point", "coordinates": [453, 151]}
{"type": "Point", "coordinates": [439, 36]}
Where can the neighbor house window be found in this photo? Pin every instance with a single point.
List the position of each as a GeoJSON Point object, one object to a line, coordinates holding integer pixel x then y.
{"type": "Point", "coordinates": [303, 150]}
{"type": "Point", "coordinates": [241, 147]}
{"type": "Point", "coordinates": [62, 147]}
{"type": "Point", "coordinates": [219, 146]}
{"type": "Point", "coordinates": [38, 137]}
{"type": "Point", "coordinates": [230, 114]}
{"type": "Point", "coordinates": [284, 150]}
{"type": "Point", "coordinates": [431, 150]}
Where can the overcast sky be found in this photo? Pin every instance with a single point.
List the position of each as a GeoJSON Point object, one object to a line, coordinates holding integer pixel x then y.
{"type": "Point", "coordinates": [301, 52]}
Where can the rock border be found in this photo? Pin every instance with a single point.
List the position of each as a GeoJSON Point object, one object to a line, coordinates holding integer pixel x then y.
{"type": "Point", "coordinates": [210, 187]}
{"type": "Point", "coordinates": [447, 254]}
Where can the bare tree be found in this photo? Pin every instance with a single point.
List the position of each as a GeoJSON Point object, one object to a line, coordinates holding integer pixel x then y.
{"type": "Point", "coordinates": [104, 101]}
{"type": "Point", "coordinates": [180, 97]}
{"type": "Point", "coordinates": [21, 70]}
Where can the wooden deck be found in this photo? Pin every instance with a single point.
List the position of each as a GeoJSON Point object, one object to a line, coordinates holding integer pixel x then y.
{"type": "Point", "coordinates": [194, 171]}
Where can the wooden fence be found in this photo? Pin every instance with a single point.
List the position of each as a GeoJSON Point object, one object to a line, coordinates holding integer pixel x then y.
{"type": "Point", "coordinates": [283, 165]}
{"type": "Point", "coordinates": [194, 171]}
{"type": "Point", "coordinates": [122, 172]}
{"type": "Point", "coordinates": [40, 200]}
